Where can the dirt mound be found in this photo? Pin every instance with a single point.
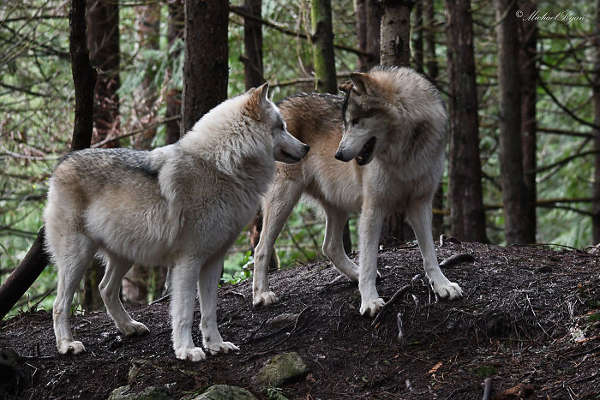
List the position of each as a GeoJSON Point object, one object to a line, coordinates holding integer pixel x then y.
{"type": "Point", "coordinates": [530, 320]}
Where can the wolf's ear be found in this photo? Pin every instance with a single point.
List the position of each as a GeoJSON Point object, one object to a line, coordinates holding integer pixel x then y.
{"type": "Point", "coordinates": [263, 91]}
{"type": "Point", "coordinates": [361, 82]}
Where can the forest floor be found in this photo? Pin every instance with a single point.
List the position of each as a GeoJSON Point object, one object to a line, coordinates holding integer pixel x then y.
{"type": "Point", "coordinates": [529, 320]}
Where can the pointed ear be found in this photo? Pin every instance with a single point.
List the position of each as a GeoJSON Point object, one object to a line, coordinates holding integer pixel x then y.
{"type": "Point", "coordinates": [361, 82]}
{"type": "Point", "coordinates": [263, 91]}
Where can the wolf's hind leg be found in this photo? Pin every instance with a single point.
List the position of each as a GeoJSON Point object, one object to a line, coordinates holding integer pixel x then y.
{"type": "Point", "coordinates": [73, 255]}
{"type": "Point", "coordinates": [419, 217]}
{"type": "Point", "coordinates": [333, 245]}
{"type": "Point", "coordinates": [109, 287]}
{"type": "Point", "coordinates": [277, 206]}
{"type": "Point", "coordinates": [207, 293]}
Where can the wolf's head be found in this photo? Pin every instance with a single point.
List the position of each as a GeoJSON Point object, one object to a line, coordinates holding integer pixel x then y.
{"type": "Point", "coordinates": [365, 121]}
{"type": "Point", "coordinates": [286, 148]}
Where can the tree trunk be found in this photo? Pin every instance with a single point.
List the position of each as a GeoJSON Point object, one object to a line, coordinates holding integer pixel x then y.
{"type": "Point", "coordinates": [360, 11]}
{"type": "Point", "coordinates": [205, 69]}
{"type": "Point", "coordinates": [146, 95]}
{"type": "Point", "coordinates": [374, 16]}
{"type": "Point", "coordinates": [84, 78]}
{"type": "Point", "coordinates": [596, 99]}
{"type": "Point", "coordinates": [511, 152]}
{"type": "Point", "coordinates": [467, 216]}
{"type": "Point", "coordinates": [418, 37]}
{"type": "Point", "coordinates": [253, 61]}
{"type": "Point", "coordinates": [173, 97]}
{"type": "Point", "coordinates": [322, 37]}
{"type": "Point", "coordinates": [528, 77]}
{"type": "Point", "coordinates": [395, 51]}
{"type": "Point", "coordinates": [432, 73]}
{"type": "Point", "coordinates": [395, 32]}
{"type": "Point", "coordinates": [103, 42]}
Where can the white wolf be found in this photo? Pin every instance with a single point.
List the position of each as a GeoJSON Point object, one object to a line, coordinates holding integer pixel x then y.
{"type": "Point", "coordinates": [181, 205]}
{"type": "Point", "coordinates": [392, 122]}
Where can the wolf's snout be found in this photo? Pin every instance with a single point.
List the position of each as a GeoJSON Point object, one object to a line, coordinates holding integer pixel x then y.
{"type": "Point", "coordinates": [306, 149]}
{"type": "Point", "coordinates": [340, 156]}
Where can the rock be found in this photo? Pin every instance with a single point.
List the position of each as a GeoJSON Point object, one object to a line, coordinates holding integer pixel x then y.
{"type": "Point", "coordinates": [150, 393]}
{"type": "Point", "coordinates": [140, 369]}
{"type": "Point", "coordinates": [281, 369]}
{"type": "Point", "coordinates": [282, 320]}
{"type": "Point", "coordinates": [225, 392]}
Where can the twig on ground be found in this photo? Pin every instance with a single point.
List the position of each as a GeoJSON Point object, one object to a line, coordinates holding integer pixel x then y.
{"type": "Point", "coordinates": [160, 299]}
{"type": "Point", "coordinates": [390, 301]}
{"type": "Point", "coordinates": [456, 259]}
{"type": "Point", "coordinates": [487, 389]}
{"type": "Point", "coordinates": [401, 338]}
{"type": "Point", "coordinates": [235, 293]}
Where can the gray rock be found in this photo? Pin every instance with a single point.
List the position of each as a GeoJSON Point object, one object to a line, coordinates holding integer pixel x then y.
{"type": "Point", "coordinates": [150, 393]}
{"type": "Point", "coordinates": [281, 369]}
{"type": "Point", "coordinates": [225, 392]}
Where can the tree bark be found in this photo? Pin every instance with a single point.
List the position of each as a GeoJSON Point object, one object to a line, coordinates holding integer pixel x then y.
{"type": "Point", "coordinates": [360, 11]}
{"type": "Point", "coordinates": [84, 78]}
{"type": "Point", "coordinates": [467, 216]}
{"type": "Point", "coordinates": [205, 69]}
{"type": "Point", "coordinates": [395, 51]}
{"type": "Point", "coordinates": [374, 16]}
{"type": "Point", "coordinates": [322, 37]}
{"type": "Point", "coordinates": [395, 32]}
{"type": "Point", "coordinates": [175, 30]}
{"type": "Point", "coordinates": [253, 62]}
{"type": "Point", "coordinates": [528, 78]}
{"type": "Point", "coordinates": [103, 43]}
{"type": "Point", "coordinates": [433, 72]}
{"type": "Point", "coordinates": [418, 37]}
{"type": "Point", "coordinates": [511, 152]}
{"type": "Point", "coordinates": [596, 132]}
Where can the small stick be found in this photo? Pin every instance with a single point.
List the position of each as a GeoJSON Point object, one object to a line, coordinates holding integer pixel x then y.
{"type": "Point", "coordinates": [390, 301]}
{"type": "Point", "coordinates": [487, 389]}
{"type": "Point", "coordinates": [401, 338]}
{"type": "Point", "coordinates": [456, 259]}
{"type": "Point", "coordinates": [161, 299]}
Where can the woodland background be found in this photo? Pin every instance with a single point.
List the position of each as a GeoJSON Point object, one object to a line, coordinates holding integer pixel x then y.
{"type": "Point", "coordinates": [521, 80]}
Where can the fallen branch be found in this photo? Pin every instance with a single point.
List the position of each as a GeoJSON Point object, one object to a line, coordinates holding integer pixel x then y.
{"type": "Point", "coordinates": [390, 301]}
{"type": "Point", "coordinates": [487, 389]}
{"type": "Point", "coordinates": [456, 259]}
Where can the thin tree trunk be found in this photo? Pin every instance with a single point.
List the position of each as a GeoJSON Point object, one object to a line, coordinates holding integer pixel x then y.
{"type": "Point", "coordinates": [395, 51]}
{"type": "Point", "coordinates": [103, 42]}
{"type": "Point", "coordinates": [596, 99]}
{"type": "Point", "coordinates": [418, 37]}
{"type": "Point", "coordinates": [360, 11]}
{"type": "Point", "coordinates": [511, 152]}
{"type": "Point", "coordinates": [175, 30]}
{"type": "Point", "coordinates": [84, 79]}
{"type": "Point", "coordinates": [374, 16]}
{"type": "Point", "coordinates": [467, 217]}
{"type": "Point", "coordinates": [323, 55]}
{"type": "Point", "coordinates": [528, 77]}
{"type": "Point", "coordinates": [432, 73]}
{"type": "Point", "coordinates": [205, 69]}
{"type": "Point", "coordinates": [253, 61]}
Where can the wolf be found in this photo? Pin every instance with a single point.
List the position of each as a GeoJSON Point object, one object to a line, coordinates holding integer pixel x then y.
{"type": "Point", "coordinates": [182, 205]}
{"type": "Point", "coordinates": [377, 150]}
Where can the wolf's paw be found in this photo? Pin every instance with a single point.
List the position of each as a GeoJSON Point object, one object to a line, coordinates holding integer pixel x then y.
{"type": "Point", "coordinates": [133, 328]}
{"type": "Point", "coordinates": [222, 347]}
{"type": "Point", "coordinates": [74, 346]}
{"type": "Point", "coordinates": [447, 290]}
{"type": "Point", "coordinates": [265, 299]}
{"type": "Point", "coordinates": [190, 353]}
{"type": "Point", "coordinates": [371, 307]}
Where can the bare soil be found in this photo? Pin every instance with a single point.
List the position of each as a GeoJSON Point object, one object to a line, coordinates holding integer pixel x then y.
{"type": "Point", "coordinates": [529, 320]}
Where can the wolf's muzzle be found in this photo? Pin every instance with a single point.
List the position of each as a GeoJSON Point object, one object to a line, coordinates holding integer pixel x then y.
{"type": "Point", "coordinates": [340, 156]}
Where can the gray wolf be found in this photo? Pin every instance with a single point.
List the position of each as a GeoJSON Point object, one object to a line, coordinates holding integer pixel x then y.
{"type": "Point", "coordinates": [181, 205]}
{"type": "Point", "coordinates": [392, 123]}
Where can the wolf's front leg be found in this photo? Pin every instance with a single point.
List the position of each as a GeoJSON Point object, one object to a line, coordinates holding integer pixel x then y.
{"type": "Point", "coordinates": [419, 217]}
{"type": "Point", "coordinates": [207, 293]}
{"type": "Point", "coordinates": [371, 221]}
{"type": "Point", "coordinates": [183, 282]}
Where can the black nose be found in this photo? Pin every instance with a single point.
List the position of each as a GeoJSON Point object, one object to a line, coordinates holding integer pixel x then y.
{"type": "Point", "coordinates": [339, 155]}
{"type": "Point", "coordinates": [306, 149]}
